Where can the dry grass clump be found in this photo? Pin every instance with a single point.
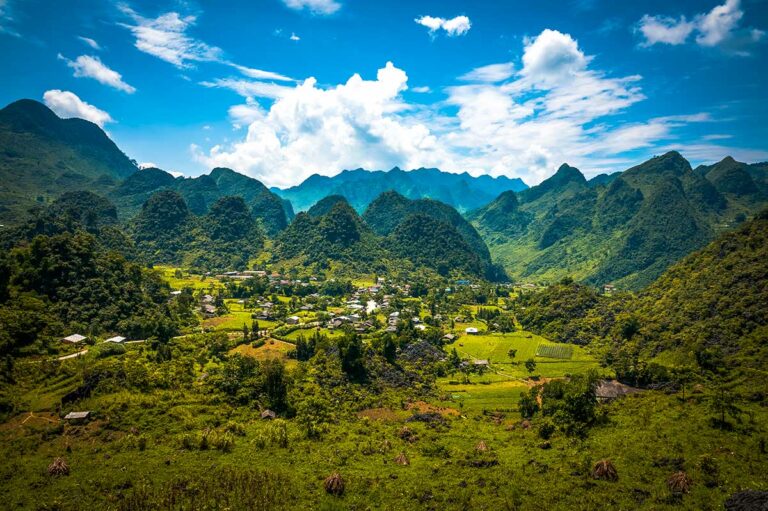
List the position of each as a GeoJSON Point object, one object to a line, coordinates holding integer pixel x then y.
{"type": "Point", "coordinates": [334, 484]}
{"type": "Point", "coordinates": [58, 467]}
{"type": "Point", "coordinates": [605, 471]}
{"type": "Point", "coordinates": [481, 446]}
{"type": "Point", "coordinates": [402, 459]}
{"type": "Point", "coordinates": [679, 483]}
{"type": "Point", "coordinates": [407, 434]}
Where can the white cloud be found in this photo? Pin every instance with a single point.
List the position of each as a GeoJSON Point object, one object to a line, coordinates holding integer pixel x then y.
{"type": "Point", "coordinates": [90, 42]}
{"type": "Point", "coordinates": [148, 165]}
{"type": "Point", "coordinates": [66, 104]}
{"type": "Point", "coordinates": [294, 37]}
{"type": "Point", "coordinates": [165, 37]}
{"type": "Point", "coordinates": [248, 88]}
{"type": "Point", "coordinates": [424, 89]}
{"type": "Point", "coordinates": [490, 73]}
{"type": "Point", "coordinates": [557, 107]}
{"type": "Point", "coordinates": [6, 19]}
{"type": "Point", "coordinates": [323, 7]}
{"type": "Point", "coordinates": [259, 74]}
{"type": "Point", "coordinates": [665, 30]}
{"type": "Point", "coordinates": [86, 66]}
{"type": "Point", "coordinates": [459, 25]}
{"type": "Point", "coordinates": [718, 27]}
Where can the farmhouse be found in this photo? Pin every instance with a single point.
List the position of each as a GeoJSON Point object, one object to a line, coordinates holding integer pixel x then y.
{"type": "Point", "coordinates": [471, 330]}
{"type": "Point", "coordinates": [481, 363]}
{"type": "Point", "coordinates": [268, 414]}
{"type": "Point", "coordinates": [208, 310]}
{"type": "Point", "coordinates": [293, 320]}
{"type": "Point", "coordinates": [74, 339]}
{"type": "Point", "coordinates": [449, 337]}
{"type": "Point", "coordinates": [118, 339]}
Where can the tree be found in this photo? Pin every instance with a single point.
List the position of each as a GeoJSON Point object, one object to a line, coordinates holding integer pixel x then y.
{"type": "Point", "coordinates": [529, 403]}
{"type": "Point", "coordinates": [351, 354]}
{"type": "Point", "coordinates": [512, 353]}
{"type": "Point", "coordinates": [530, 365]}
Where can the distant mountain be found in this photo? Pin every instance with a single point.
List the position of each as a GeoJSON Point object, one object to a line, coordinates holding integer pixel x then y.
{"type": "Point", "coordinates": [390, 209]}
{"type": "Point", "coordinates": [42, 156]}
{"type": "Point", "coordinates": [360, 187]}
{"type": "Point", "coordinates": [201, 192]}
{"type": "Point", "coordinates": [417, 234]}
{"type": "Point", "coordinates": [626, 230]}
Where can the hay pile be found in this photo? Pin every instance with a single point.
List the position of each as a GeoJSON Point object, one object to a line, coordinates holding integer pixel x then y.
{"type": "Point", "coordinates": [481, 446]}
{"type": "Point", "coordinates": [58, 467]}
{"type": "Point", "coordinates": [402, 459]}
{"type": "Point", "coordinates": [334, 484]}
{"type": "Point", "coordinates": [679, 483]}
{"type": "Point", "coordinates": [605, 471]}
{"type": "Point", "coordinates": [407, 434]}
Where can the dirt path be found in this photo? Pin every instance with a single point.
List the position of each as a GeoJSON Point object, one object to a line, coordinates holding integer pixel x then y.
{"type": "Point", "coordinates": [73, 355]}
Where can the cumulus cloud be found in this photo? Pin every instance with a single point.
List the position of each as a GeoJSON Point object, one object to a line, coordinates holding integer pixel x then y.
{"type": "Point", "coordinates": [86, 66]}
{"type": "Point", "coordinates": [66, 104]}
{"type": "Point", "coordinates": [524, 122]}
{"type": "Point", "coordinates": [718, 27]}
{"type": "Point", "coordinates": [294, 37]}
{"type": "Point", "coordinates": [490, 73]}
{"type": "Point", "coordinates": [90, 42]}
{"type": "Point", "coordinates": [322, 7]}
{"type": "Point", "coordinates": [310, 129]}
{"type": "Point", "coordinates": [459, 25]}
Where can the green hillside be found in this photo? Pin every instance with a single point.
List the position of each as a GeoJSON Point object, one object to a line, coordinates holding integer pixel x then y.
{"type": "Point", "coordinates": [625, 230]}
{"type": "Point", "coordinates": [42, 155]}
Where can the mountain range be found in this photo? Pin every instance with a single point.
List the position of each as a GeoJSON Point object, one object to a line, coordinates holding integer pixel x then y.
{"type": "Point", "coordinates": [626, 229]}
{"type": "Point", "coordinates": [360, 187]}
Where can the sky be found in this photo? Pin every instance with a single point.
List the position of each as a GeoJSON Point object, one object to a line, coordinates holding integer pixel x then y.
{"type": "Point", "coordinates": [282, 89]}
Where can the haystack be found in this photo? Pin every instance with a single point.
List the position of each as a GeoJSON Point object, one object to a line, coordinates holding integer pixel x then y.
{"type": "Point", "coordinates": [58, 467]}
{"type": "Point", "coordinates": [402, 459]}
{"type": "Point", "coordinates": [679, 483]}
{"type": "Point", "coordinates": [334, 484]}
{"type": "Point", "coordinates": [481, 446]}
{"type": "Point", "coordinates": [407, 434]}
{"type": "Point", "coordinates": [605, 471]}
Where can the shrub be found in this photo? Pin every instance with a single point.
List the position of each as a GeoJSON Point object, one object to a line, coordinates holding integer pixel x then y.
{"type": "Point", "coordinates": [679, 483]}
{"type": "Point", "coordinates": [334, 484]}
{"type": "Point", "coordinates": [605, 471]}
{"type": "Point", "coordinates": [58, 467]}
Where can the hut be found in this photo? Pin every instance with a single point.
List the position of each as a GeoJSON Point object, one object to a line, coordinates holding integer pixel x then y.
{"type": "Point", "coordinates": [77, 417]}
{"type": "Point", "coordinates": [608, 390]}
{"type": "Point", "coordinates": [118, 339]}
{"type": "Point", "coordinates": [74, 339]}
{"type": "Point", "coordinates": [268, 414]}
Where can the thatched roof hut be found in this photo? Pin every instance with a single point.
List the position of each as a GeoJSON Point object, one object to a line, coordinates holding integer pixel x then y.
{"type": "Point", "coordinates": [268, 414]}
{"type": "Point", "coordinates": [608, 390]}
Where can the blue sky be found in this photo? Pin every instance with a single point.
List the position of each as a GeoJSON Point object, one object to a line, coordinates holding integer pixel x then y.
{"type": "Point", "coordinates": [281, 89]}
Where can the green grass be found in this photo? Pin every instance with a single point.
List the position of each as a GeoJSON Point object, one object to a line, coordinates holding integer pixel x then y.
{"type": "Point", "coordinates": [554, 351]}
{"type": "Point", "coordinates": [196, 282]}
{"type": "Point", "coordinates": [236, 318]}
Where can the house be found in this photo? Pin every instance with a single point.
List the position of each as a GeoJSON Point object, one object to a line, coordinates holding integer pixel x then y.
{"type": "Point", "coordinates": [175, 293]}
{"type": "Point", "coordinates": [208, 310]}
{"type": "Point", "coordinates": [76, 417]}
{"type": "Point", "coordinates": [608, 390]}
{"type": "Point", "coordinates": [420, 327]}
{"type": "Point", "coordinates": [74, 339]}
{"type": "Point", "coordinates": [481, 363]}
{"type": "Point", "coordinates": [471, 330]}
{"type": "Point", "coordinates": [118, 339]}
{"type": "Point", "coordinates": [391, 329]}
{"type": "Point", "coordinates": [449, 337]}
{"type": "Point", "coordinates": [208, 299]}
{"type": "Point", "coordinates": [293, 320]}
{"type": "Point", "coordinates": [268, 414]}
{"type": "Point", "coordinates": [609, 289]}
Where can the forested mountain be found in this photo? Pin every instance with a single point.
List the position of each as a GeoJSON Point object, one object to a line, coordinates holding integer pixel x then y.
{"type": "Point", "coordinates": [414, 233]}
{"type": "Point", "coordinates": [42, 155]}
{"type": "Point", "coordinates": [626, 230]}
{"type": "Point", "coordinates": [360, 187]}
{"type": "Point", "coordinates": [166, 231]}
{"type": "Point", "coordinates": [390, 209]}
{"type": "Point", "coordinates": [202, 192]}
{"type": "Point", "coordinates": [706, 310]}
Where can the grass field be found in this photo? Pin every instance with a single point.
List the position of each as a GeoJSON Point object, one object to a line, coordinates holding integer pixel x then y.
{"type": "Point", "coordinates": [272, 349]}
{"type": "Point", "coordinates": [237, 317]}
{"type": "Point", "coordinates": [500, 387]}
{"type": "Point", "coordinates": [196, 282]}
